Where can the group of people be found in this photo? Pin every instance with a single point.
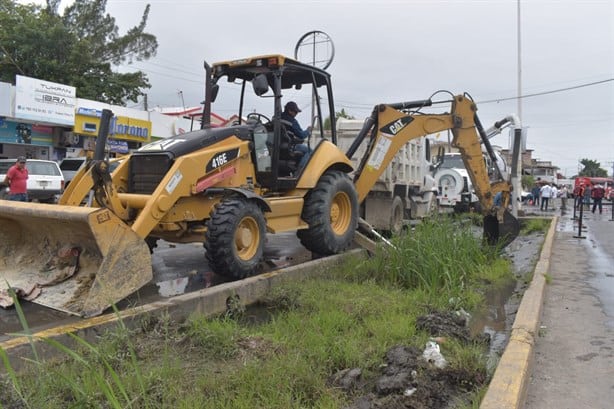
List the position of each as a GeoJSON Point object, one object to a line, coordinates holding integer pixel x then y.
{"type": "Point", "coordinates": [543, 196]}
{"type": "Point", "coordinates": [584, 194]}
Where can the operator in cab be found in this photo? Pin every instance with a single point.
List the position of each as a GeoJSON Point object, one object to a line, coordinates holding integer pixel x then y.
{"type": "Point", "coordinates": [291, 110]}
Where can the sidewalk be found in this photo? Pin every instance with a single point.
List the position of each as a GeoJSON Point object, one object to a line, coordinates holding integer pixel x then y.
{"type": "Point", "coordinates": [561, 348]}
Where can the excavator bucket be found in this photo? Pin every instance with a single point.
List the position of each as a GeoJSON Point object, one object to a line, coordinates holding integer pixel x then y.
{"type": "Point", "coordinates": [500, 230]}
{"type": "Point", "coordinates": [80, 259]}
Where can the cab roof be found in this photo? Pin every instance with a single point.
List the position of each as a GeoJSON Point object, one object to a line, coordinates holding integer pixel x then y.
{"type": "Point", "coordinates": [294, 72]}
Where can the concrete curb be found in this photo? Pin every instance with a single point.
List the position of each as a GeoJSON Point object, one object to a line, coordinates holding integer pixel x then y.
{"type": "Point", "coordinates": [508, 387]}
{"type": "Point", "coordinates": [208, 301]}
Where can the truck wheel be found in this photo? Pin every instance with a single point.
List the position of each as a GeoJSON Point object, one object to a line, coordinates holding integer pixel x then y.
{"type": "Point", "coordinates": [235, 238]}
{"type": "Point", "coordinates": [331, 211]}
{"type": "Point", "coordinates": [397, 215]}
{"type": "Point", "coordinates": [434, 206]}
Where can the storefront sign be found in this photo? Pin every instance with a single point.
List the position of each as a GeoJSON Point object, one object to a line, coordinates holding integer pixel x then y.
{"type": "Point", "coordinates": [113, 145]}
{"type": "Point", "coordinates": [19, 132]}
{"type": "Point", "coordinates": [96, 113]}
{"type": "Point", "coordinates": [118, 146]}
{"type": "Point", "coordinates": [5, 100]}
{"type": "Point", "coordinates": [87, 122]}
{"type": "Point", "coordinates": [44, 101]}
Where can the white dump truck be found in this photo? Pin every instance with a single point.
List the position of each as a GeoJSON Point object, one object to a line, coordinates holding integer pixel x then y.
{"type": "Point", "coordinates": [405, 191]}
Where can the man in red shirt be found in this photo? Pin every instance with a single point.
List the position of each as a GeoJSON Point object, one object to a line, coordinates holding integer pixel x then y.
{"type": "Point", "coordinates": [597, 196]}
{"type": "Point", "coordinates": [16, 178]}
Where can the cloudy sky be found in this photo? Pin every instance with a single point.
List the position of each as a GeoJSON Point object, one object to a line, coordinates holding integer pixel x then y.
{"type": "Point", "coordinates": [390, 51]}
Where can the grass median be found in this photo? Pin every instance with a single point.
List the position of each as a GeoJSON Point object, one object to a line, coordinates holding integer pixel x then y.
{"type": "Point", "coordinates": [295, 348]}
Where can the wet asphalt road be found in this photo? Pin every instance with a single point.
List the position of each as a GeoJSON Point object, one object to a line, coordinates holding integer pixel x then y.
{"type": "Point", "coordinates": [574, 351]}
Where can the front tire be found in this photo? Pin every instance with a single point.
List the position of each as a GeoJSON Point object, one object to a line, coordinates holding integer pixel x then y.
{"type": "Point", "coordinates": [235, 238]}
{"type": "Point", "coordinates": [331, 211]}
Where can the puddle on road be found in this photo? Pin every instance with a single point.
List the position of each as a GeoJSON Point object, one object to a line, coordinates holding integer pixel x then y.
{"type": "Point", "coordinates": [36, 316]}
{"type": "Point", "coordinates": [601, 260]}
{"type": "Point", "coordinates": [174, 287]}
{"type": "Point", "coordinates": [603, 281]}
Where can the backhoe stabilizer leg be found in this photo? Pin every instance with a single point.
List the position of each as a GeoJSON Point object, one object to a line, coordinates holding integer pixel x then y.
{"type": "Point", "coordinates": [369, 235]}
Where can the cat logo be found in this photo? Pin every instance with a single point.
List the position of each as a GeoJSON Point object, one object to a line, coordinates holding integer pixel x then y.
{"type": "Point", "coordinates": [395, 127]}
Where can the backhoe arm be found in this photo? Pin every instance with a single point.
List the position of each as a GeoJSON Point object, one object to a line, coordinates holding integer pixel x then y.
{"type": "Point", "coordinates": [391, 126]}
{"type": "Point", "coordinates": [389, 130]}
{"type": "Point", "coordinates": [468, 139]}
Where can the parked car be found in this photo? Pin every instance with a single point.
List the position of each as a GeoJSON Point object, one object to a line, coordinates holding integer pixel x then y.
{"type": "Point", "coordinates": [45, 179]}
{"type": "Point", "coordinates": [70, 167]}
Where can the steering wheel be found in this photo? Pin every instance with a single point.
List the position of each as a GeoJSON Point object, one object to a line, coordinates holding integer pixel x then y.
{"type": "Point", "coordinates": [258, 117]}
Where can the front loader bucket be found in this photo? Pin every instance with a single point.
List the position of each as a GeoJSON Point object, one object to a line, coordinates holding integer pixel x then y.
{"type": "Point", "coordinates": [82, 259]}
{"type": "Point", "coordinates": [500, 229]}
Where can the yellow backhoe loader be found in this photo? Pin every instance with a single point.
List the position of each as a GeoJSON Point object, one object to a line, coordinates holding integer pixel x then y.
{"type": "Point", "coordinates": [226, 187]}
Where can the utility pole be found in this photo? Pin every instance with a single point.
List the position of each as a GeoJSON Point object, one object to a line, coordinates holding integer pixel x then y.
{"type": "Point", "coordinates": [519, 63]}
{"type": "Point", "coordinates": [516, 149]}
{"type": "Point", "coordinates": [182, 101]}
{"type": "Point", "coordinates": [145, 107]}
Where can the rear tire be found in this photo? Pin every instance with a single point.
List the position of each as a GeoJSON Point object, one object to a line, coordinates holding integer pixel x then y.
{"type": "Point", "coordinates": [397, 215]}
{"type": "Point", "coordinates": [235, 238]}
{"type": "Point", "coordinates": [331, 211]}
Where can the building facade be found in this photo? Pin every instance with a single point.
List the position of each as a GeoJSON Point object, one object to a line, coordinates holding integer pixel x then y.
{"type": "Point", "coordinates": [44, 120]}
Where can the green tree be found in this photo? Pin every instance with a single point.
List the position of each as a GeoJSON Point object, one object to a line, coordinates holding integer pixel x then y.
{"type": "Point", "coordinates": [527, 182]}
{"type": "Point", "coordinates": [78, 48]}
{"type": "Point", "coordinates": [592, 169]}
{"type": "Point", "coordinates": [338, 114]}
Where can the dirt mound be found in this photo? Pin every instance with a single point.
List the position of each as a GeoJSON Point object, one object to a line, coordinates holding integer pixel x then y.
{"type": "Point", "coordinates": [409, 379]}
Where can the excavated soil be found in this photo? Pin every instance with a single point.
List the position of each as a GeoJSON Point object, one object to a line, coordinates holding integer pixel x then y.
{"type": "Point", "coordinates": [409, 378]}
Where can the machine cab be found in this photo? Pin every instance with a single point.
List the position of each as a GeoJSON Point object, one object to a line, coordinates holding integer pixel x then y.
{"type": "Point", "coordinates": [262, 86]}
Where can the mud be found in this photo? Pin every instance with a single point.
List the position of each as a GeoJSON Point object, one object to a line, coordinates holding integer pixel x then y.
{"type": "Point", "coordinates": [409, 378]}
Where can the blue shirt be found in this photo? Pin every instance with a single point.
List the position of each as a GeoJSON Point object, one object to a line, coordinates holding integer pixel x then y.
{"type": "Point", "coordinates": [498, 199]}
{"type": "Point", "coordinates": [295, 128]}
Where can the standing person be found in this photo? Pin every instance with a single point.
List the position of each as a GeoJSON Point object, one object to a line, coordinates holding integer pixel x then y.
{"type": "Point", "coordinates": [291, 110]}
{"type": "Point", "coordinates": [535, 193]}
{"type": "Point", "coordinates": [587, 195]}
{"type": "Point", "coordinates": [564, 192]}
{"type": "Point", "coordinates": [554, 193]}
{"type": "Point", "coordinates": [597, 196]}
{"type": "Point", "coordinates": [545, 196]}
{"type": "Point", "coordinates": [16, 177]}
{"type": "Point", "coordinates": [578, 194]}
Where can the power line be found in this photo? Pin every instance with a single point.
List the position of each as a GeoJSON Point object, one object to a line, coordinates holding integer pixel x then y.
{"type": "Point", "coordinates": [547, 92]}
{"type": "Point", "coordinates": [356, 105]}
